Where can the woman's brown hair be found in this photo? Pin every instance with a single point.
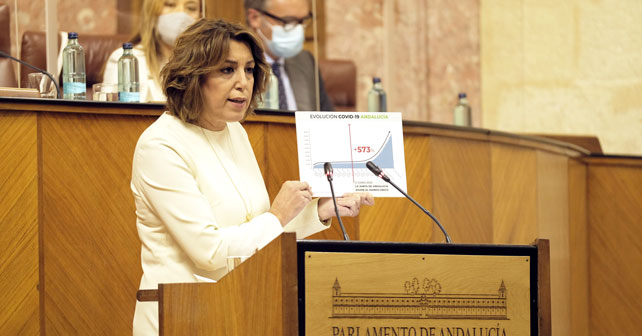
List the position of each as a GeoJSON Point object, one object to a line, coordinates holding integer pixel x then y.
{"type": "Point", "coordinates": [199, 51]}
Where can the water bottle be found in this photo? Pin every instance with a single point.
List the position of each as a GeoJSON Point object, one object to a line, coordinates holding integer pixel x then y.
{"type": "Point", "coordinates": [128, 84]}
{"type": "Point", "coordinates": [377, 97]}
{"type": "Point", "coordinates": [461, 113]}
{"type": "Point", "coordinates": [74, 79]}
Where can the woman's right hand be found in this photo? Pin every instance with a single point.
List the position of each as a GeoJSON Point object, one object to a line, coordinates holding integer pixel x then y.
{"type": "Point", "coordinates": [291, 199]}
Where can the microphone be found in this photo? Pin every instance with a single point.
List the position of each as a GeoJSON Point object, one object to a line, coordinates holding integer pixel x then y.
{"type": "Point", "coordinates": [35, 68]}
{"type": "Point", "coordinates": [377, 171]}
{"type": "Point", "coordinates": [327, 168]}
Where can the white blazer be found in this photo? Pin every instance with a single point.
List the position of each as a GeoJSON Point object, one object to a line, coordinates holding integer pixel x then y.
{"type": "Point", "coordinates": [194, 190]}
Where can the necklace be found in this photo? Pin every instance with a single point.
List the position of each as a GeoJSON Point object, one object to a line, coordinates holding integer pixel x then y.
{"type": "Point", "coordinates": [246, 204]}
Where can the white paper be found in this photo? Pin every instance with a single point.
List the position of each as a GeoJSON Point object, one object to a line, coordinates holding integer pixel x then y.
{"type": "Point", "coordinates": [348, 140]}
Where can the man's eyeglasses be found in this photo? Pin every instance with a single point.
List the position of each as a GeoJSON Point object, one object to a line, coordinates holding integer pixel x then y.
{"type": "Point", "coordinates": [288, 22]}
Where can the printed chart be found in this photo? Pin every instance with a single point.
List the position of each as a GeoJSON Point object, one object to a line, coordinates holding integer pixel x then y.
{"type": "Point", "coordinates": [348, 141]}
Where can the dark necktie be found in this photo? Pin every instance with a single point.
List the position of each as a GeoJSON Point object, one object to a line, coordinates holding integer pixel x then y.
{"type": "Point", "coordinates": [283, 102]}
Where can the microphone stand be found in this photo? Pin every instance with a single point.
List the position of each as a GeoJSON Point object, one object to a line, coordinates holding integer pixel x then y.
{"type": "Point", "coordinates": [327, 167]}
{"type": "Point", "coordinates": [377, 171]}
{"type": "Point", "coordinates": [35, 68]}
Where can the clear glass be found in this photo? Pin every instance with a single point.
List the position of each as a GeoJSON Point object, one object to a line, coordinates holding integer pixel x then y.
{"type": "Point", "coordinates": [105, 92]}
{"type": "Point", "coordinates": [128, 82]}
{"type": "Point", "coordinates": [43, 84]}
{"type": "Point", "coordinates": [74, 78]}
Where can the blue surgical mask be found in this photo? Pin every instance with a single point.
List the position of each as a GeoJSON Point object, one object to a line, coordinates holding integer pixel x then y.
{"type": "Point", "coordinates": [284, 43]}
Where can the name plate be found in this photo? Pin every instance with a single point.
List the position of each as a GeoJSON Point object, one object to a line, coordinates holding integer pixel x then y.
{"type": "Point", "coordinates": [416, 294]}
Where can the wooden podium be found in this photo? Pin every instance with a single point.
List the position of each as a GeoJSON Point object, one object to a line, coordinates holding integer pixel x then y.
{"type": "Point", "coordinates": [367, 288]}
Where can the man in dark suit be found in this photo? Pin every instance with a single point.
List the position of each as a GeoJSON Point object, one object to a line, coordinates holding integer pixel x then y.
{"type": "Point", "coordinates": [281, 24]}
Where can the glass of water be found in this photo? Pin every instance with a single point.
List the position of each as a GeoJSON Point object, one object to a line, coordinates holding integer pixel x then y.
{"type": "Point", "coordinates": [105, 92]}
{"type": "Point", "coordinates": [43, 84]}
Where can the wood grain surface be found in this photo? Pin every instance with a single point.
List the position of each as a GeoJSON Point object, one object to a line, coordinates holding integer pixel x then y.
{"type": "Point", "coordinates": [396, 219]}
{"type": "Point", "coordinates": [259, 297]}
{"type": "Point", "coordinates": [544, 289]}
{"type": "Point", "coordinates": [590, 142]}
{"type": "Point", "coordinates": [90, 246]}
{"type": "Point", "coordinates": [579, 247]}
{"type": "Point", "coordinates": [514, 181]}
{"type": "Point", "coordinates": [462, 189]}
{"type": "Point", "coordinates": [615, 231]}
{"type": "Point", "coordinates": [256, 134]}
{"type": "Point", "coordinates": [552, 218]}
{"type": "Point", "coordinates": [19, 297]}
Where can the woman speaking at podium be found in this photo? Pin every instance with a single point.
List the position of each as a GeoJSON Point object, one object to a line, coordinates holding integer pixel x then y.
{"type": "Point", "coordinates": [199, 193]}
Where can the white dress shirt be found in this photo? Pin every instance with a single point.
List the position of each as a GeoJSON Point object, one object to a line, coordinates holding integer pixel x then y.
{"type": "Point", "coordinates": [289, 93]}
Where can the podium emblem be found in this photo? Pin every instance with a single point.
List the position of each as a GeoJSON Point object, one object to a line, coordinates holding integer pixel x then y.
{"type": "Point", "coordinates": [420, 300]}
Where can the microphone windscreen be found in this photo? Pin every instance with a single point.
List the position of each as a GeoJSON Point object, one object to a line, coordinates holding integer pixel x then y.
{"type": "Point", "coordinates": [327, 168]}
{"type": "Point", "coordinates": [373, 168]}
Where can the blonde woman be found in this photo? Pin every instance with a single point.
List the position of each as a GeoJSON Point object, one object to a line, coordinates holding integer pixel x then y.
{"type": "Point", "coordinates": [161, 22]}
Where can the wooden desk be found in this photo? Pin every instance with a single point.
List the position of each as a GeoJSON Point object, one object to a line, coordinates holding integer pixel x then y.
{"type": "Point", "coordinates": [70, 257]}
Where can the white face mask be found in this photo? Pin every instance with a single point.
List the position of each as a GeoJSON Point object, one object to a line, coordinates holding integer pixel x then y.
{"type": "Point", "coordinates": [284, 44]}
{"type": "Point", "coordinates": [169, 26]}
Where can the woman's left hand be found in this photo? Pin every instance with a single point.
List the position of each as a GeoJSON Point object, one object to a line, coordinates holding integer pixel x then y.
{"type": "Point", "coordinates": [348, 205]}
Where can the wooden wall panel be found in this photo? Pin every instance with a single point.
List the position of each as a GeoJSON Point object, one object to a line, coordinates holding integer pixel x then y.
{"type": "Point", "coordinates": [462, 189]}
{"type": "Point", "coordinates": [19, 298]}
{"type": "Point", "coordinates": [514, 185]}
{"type": "Point", "coordinates": [397, 219]}
{"type": "Point", "coordinates": [579, 249]}
{"type": "Point", "coordinates": [552, 222]}
{"type": "Point", "coordinates": [281, 158]}
{"type": "Point", "coordinates": [615, 231]}
{"type": "Point", "coordinates": [269, 302]}
{"type": "Point", "coordinates": [90, 249]}
{"type": "Point", "coordinates": [256, 134]}
{"type": "Point", "coordinates": [232, 11]}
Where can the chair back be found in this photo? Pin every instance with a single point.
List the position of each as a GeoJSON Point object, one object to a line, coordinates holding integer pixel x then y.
{"type": "Point", "coordinates": [340, 80]}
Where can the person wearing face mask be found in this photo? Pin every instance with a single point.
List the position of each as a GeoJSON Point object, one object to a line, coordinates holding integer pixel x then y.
{"type": "Point", "coordinates": [161, 22]}
{"type": "Point", "coordinates": [280, 24]}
